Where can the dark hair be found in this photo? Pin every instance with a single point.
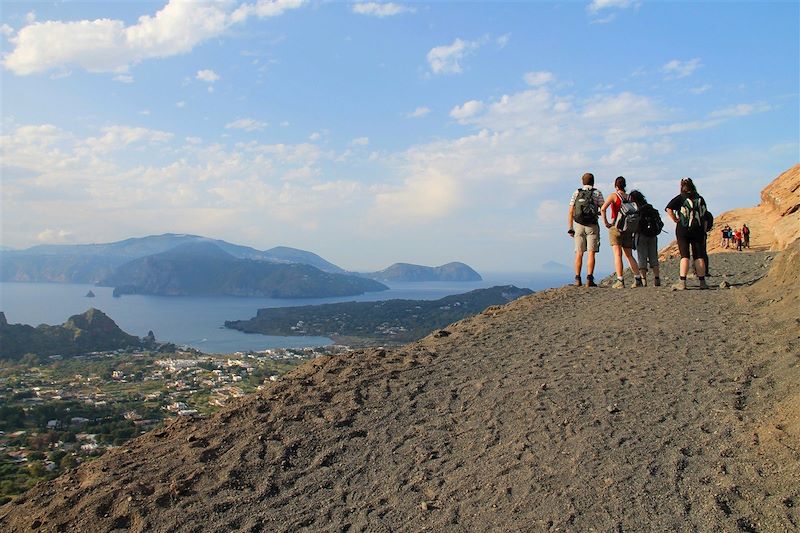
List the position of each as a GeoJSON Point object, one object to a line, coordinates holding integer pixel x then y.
{"type": "Point", "coordinates": [588, 178]}
{"type": "Point", "coordinates": [637, 197]}
{"type": "Point", "coordinates": [687, 186]}
{"type": "Point", "coordinates": [620, 183]}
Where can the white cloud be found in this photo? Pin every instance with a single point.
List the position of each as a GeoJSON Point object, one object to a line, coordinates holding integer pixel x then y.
{"type": "Point", "coordinates": [106, 45]}
{"type": "Point", "coordinates": [117, 137]}
{"type": "Point", "coordinates": [207, 75]}
{"type": "Point", "coordinates": [376, 9]}
{"type": "Point", "coordinates": [741, 110]}
{"type": "Point", "coordinates": [538, 78]}
{"type": "Point", "coordinates": [700, 89]}
{"type": "Point", "coordinates": [30, 17]}
{"type": "Point", "coordinates": [123, 78]}
{"type": "Point", "coordinates": [599, 5]}
{"type": "Point", "coordinates": [360, 141]}
{"type": "Point", "coordinates": [145, 112]}
{"type": "Point", "coordinates": [194, 140]}
{"type": "Point", "coordinates": [284, 124]}
{"type": "Point", "coordinates": [681, 69]}
{"type": "Point", "coordinates": [315, 136]}
{"type": "Point", "coordinates": [6, 30]}
{"type": "Point", "coordinates": [247, 124]}
{"type": "Point", "coordinates": [503, 40]}
{"type": "Point", "coordinates": [53, 236]}
{"type": "Point", "coordinates": [180, 104]}
{"type": "Point", "coordinates": [419, 112]}
{"type": "Point", "coordinates": [466, 110]}
{"type": "Point", "coordinates": [446, 59]}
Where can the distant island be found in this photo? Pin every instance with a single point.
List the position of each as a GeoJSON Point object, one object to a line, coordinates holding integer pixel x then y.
{"type": "Point", "coordinates": [407, 272]}
{"type": "Point", "coordinates": [389, 321]}
{"type": "Point", "coordinates": [91, 263]}
{"type": "Point", "coordinates": [205, 269]}
{"type": "Point", "coordinates": [91, 331]}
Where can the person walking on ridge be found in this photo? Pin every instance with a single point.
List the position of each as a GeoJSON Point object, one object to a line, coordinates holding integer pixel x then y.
{"type": "Point", "coordinates": [621, 238]}
{"type": "Point", "coordinates": [687, 211]}
{"type": "Point", "coordinates": [583, 227]}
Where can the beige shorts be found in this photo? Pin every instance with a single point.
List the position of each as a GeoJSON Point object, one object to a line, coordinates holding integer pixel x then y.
{"type": "Point", "coordinates": [586, 237]}
{"type": "Point", "coordinates": [617, 238]}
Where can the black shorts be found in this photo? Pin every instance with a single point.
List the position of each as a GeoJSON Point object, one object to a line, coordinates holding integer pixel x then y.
{"type": "Point", "coordinates": [694, 241]}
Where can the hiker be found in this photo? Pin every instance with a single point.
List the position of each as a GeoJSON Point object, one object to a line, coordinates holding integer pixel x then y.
{"type": "Point", "coordinates": [724, 243]}
{"type": "Point", "coordinates": [646, 238]}
{"type": "Point", "coordinates": [738, 238]}
{"type": "Point", "coordinates": [687, 211]}
{"type": "Point", "coordinates": [746, 235]}
{"type": "Point", "coordinates": [621, 230]}
{"type": "Point", "coordinates": [583, 227]}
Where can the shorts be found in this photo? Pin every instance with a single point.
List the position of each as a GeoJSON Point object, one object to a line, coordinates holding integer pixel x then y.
{"type": "Point", "coordinates": [647, 251]}
{"type": "Point", "coordinates": [586, 237]}
{"type": "Point", "coordinates": [694, 242]}
{"type": "Point", "coordinates": [618, 238]}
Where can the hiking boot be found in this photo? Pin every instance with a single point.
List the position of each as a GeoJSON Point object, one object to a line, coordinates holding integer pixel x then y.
{"type": "Point", "coordinates": [637, 282]}
{"type": "Point", "coordinates": [703, 284]}
{"type": "Point", "coordinates": [590, 281]}
{"type": "Point", "coordinates": [657, 282]}
{"type": "Point", "coordinates": [679, 285]}
{"type": "Point", "coordinates": [619, 284]}
{"type": "Point", "coordinates": [578, 281]}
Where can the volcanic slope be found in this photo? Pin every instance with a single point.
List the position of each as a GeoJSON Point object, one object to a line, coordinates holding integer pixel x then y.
{"type": "Point", "coordinates": [571, 409]}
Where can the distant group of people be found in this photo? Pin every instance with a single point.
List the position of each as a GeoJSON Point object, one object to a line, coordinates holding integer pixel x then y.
{"type": "Point", "coordinates": [634, 224]}
{"type": "Point", "coordinates": [735, 238]}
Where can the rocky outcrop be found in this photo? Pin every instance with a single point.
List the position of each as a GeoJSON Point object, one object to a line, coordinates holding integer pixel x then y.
{"type": "Point", "coordinates": [774, 223]}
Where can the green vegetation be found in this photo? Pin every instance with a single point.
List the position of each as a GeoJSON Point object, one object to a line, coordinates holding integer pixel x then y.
{"type": "Point", "coordinates": [389, 321]}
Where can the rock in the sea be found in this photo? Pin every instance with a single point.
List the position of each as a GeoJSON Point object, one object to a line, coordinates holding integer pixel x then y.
{"type": "Point", "coordinates": [90, 294]}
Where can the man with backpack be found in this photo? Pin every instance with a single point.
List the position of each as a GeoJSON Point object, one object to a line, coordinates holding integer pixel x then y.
{"type": "Point", "coordinates": [584, 208]}
{"type": "Point", "coordinates": [688, 211]}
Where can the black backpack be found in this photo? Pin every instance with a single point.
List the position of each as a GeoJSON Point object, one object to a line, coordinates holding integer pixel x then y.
{"type": "Point", "coordinates": [692, 212]}
{"type": "Point", "coordinates": [650, 224]}
{"type": "Point", "coordinates": [585, 210]}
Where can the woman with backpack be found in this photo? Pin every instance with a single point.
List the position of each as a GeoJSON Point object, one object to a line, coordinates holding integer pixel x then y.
{"type": "Point", "coordinates": [619, 234]}
{"type": "Point", "coordinates": [646, 237]}
{"type": "Point", "coordinates": [688, 211]}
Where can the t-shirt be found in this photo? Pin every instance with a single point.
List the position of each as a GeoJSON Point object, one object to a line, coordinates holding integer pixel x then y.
{"type": "Point", "coordinates": [596, 195]}
{"type": "Point", "coordinates": [680, 230]}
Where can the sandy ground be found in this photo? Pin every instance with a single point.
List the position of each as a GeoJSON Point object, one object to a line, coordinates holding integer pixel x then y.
{"type": "Point", "coordinates": [573, 409]}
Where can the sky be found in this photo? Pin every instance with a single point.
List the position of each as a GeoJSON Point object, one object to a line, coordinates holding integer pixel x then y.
{"type": "Point", "coordinates": [372, 133]}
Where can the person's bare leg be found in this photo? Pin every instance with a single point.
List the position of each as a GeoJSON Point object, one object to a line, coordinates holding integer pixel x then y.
{"type": "Point", "coordinates": [590, 264]}
{"type": "Point", "coordinates": [578, 263]}
{"type": "Point", "coordinates": [617, 249]}
{"type": "Point", "coordinates": [684, 268]}
{"type": "Point", "coordinates": [631, 261]}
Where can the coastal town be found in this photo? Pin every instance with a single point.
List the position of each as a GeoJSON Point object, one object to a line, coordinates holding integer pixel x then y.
{"type": "Point", "coordinates": [57, 412]}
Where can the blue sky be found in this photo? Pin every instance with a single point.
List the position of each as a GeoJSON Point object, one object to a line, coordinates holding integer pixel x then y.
{"type": "Point", "coordinates": [372, 133]}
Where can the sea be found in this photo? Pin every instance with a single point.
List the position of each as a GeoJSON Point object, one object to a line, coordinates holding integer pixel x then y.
{"type": "Point", "coordinates": [198, 321]}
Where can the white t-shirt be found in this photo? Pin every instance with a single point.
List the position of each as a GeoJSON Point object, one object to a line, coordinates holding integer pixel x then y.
{"type": "Point", "coordinates": [596, 194]}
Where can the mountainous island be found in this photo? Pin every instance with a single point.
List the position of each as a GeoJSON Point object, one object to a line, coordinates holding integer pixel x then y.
{"type": "Point", "coordinates": [88, 332]}
{"type": "Point", "coordinates": [204, 268]}
{"type": "Point", "coordinates": [107, 264]}
{"type": "Point", "coordinates": [91, 263]}
{"type": "Point", "coordinates": [389, 321]}
{"type": "Point", "coordinates": [407, 272]}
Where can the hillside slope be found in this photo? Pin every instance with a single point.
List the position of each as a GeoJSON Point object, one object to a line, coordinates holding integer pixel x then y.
{"type": "Point", "coordinates": [774, 223]}
{"type": "Point", "coordinates": [530, 416]}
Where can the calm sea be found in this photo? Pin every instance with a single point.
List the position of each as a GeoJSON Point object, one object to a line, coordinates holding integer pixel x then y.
{"type": "Point", "coordinates": [198, 321]}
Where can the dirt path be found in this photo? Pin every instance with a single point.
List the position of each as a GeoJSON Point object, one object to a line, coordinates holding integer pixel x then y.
{"type": "Point", "coordinates": [573, 409]}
